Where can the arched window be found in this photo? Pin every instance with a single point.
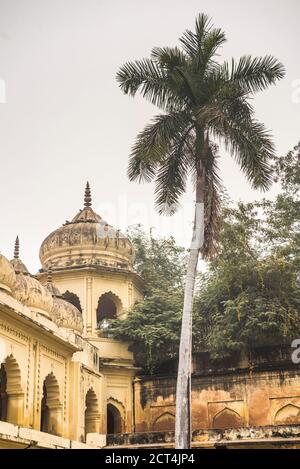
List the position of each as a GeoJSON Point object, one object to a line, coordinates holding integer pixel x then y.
{"type": "Point", "coordinates": [109, 306]}
{"type": "Point", "coordinates": [11, 393]}
{"type": "Point", "coordinates": [3, 393]}
{"type": "Point", "coordinates": [91, 415]}
{"type": "Point", "coordinates": [51, 408]}
{"type": "Point", "coordinates": [73, 299]}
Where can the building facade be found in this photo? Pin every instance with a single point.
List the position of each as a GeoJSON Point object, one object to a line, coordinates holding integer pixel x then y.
{"type": "Point", "coordinates": [64, 383]}
{"type": "Point", "coordinates": [60, 374]}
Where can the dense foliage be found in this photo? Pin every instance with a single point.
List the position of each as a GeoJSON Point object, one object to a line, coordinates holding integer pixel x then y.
{"type": "Point", "coordinates": [250, 294]}
{"type": "Point", "coordinates": [153, 326]}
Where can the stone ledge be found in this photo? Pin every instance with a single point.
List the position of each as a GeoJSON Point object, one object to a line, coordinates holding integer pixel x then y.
{"type": "Point", "coordinates": [14, 436]}
{"type": "Point", "coordinates": [280, 434]}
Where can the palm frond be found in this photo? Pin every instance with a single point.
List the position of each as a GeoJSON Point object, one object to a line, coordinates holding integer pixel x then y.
{"type": "Point", "coordinates": [150, 79]}
{"type": "Point", "coordinates": [226, 99]}
{"type": "Point", "coordinates": [251, 145]}
{"type": "Point", "coordinates": [253, 74]}
{"type": "Point", "coordinates": [169, 57]}
{"type": "Point", "coordinates": [191, 41]}
{"type": "Point", "coordinates": [171, 178]}
{"type": "Point", "coordinates": [154, 142]}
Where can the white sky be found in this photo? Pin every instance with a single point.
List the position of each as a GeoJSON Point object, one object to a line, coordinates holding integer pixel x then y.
{"type": "Point", "coordinates": [65, 121]}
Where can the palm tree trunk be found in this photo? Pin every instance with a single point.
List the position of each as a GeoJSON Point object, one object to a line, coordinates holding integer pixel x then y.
{"type": "Point", "coordinates": [183, 421]}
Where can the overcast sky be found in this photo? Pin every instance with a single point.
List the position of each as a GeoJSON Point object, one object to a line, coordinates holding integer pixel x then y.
{"type": "Point", "coordinates": [65, 120]}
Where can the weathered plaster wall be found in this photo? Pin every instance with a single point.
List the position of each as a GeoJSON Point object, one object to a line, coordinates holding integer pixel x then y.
{"type": "Point", "coordinates": [256, 395]}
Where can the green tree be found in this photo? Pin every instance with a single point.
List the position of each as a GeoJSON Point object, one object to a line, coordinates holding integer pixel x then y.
{"type": "Point", "coordinates": [153, 325]}
{"type": "Point", "coordinates": [203, 102]}
{"type": "Point", "coordinates": [251, 295]}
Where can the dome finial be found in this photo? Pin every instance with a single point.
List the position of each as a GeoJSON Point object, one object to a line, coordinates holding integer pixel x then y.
{"type": "Point", "coordinates": [17, 248]}
{"type": "Point", "coordinates": [87, 196]}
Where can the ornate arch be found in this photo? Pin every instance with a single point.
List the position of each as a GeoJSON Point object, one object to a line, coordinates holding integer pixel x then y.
{"type": "Point", "coordinates": [110, 302]}
{"type": "Point", "coordinates": [118, 404]}
{"type": "Point", "coordinates": [12, 395]}
{"type": "Point", "coordinates": [91, 414]}
{"type": "Point", "coordinates": [53, 394]}
{"type": "Point", "coordinates": [13, 375]}
{"type": "Point", "coordinates": [51, 407]}
{"type": "Point", "coordinates": [73, 299]}
{"type": "Point", "coordinates": [116, 410]}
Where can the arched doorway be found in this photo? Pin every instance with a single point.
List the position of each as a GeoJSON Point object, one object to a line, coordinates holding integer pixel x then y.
{"type": "Point", "coordinates": [51, 408]}
{"type": "Point", "coordinates": [11, 393]}
{"type": "Point", "coordinates": [91, 414]}
{"type": "Point", "coordinates": [109, 306]}
{"type": "Point", "coordinates": [114, 419]}
{"type": "Point", "coordinates": [3, 393]}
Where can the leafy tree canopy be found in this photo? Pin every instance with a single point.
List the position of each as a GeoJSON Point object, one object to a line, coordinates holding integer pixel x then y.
{"type": "Point", "coordinates": [250, 295]}
{"type": "Point", "coordinates": [153, 326]}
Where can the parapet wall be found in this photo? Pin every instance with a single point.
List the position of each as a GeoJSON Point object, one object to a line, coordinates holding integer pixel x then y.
{"type": "Point", "coordinates": [257, 391]}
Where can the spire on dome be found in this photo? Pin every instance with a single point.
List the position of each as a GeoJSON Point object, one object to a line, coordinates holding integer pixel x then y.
{"type": "Point", "coordinates": [49, 284]}
{"type": "Point", "coordinates": [87, 195]}
{"type": "Point", "coordinates": [17, 248]}
{"type": "Point", "coordinates": [49, 275]}
{"type": "Point", "coordinates": [16, 262]}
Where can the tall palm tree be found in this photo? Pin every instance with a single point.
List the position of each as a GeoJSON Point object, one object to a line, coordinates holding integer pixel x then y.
{"type": "Point", "coordinates": [204, 103]}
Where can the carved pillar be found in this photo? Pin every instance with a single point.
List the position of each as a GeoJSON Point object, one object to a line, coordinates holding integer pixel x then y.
{"type": "Point", "coordinates": [89, 306]}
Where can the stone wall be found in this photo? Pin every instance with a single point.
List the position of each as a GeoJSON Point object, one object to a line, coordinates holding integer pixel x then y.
{"type": "Point", "coordinates": [260, 390]}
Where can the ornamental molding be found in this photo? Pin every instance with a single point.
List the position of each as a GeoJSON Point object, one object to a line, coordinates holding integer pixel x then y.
{"type": "Point", "coordinates": [14, 332]}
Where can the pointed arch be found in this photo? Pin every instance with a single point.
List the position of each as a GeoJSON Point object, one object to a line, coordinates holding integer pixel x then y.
{"type": "Point", "coordinates": [115, 416]}
{"type": "Point", "coordinates": [91, 414]}
{"type": "Point", "coordinates": [288, 414]}
{"type": "Point", "coordinates": [11, 392]}
{"type": "Point", "coordinates": [227, 418]}
{"type": "Point", "coordinates": [164, 422]}
{"type": "Point", "coordinates": [51, 408]}
{"type": "Point", "coordinates": [109, 307]}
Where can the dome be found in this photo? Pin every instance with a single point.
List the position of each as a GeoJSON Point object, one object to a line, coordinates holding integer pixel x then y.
{"type": "Point", "coordinates": [28, 290]}
{"type": "Point", "coordinates": [66, 315]}
{"type": "Point", "coordinates": [63, 313]}
{"type": "Point", "coordinates": [7, 275]}
{"type": "Point", "coordinates": [87, 240]}
{"type": "Point", "coordinates": [33, 294]}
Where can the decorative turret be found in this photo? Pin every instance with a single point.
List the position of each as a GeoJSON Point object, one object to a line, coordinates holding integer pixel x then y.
{"type": "Point", "coordinates": [16, 262]}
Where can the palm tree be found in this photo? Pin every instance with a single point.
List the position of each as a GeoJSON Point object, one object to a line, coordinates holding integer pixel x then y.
{"type": "Point", "coordinates": [204, 103]}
